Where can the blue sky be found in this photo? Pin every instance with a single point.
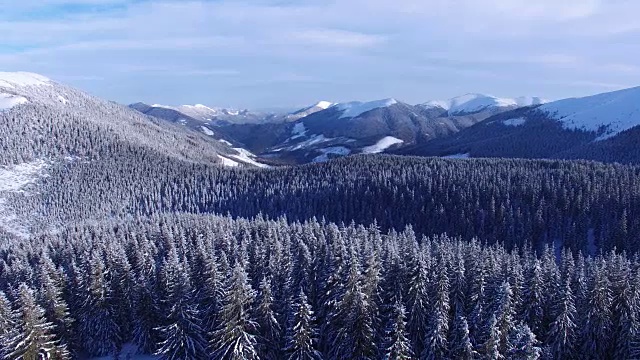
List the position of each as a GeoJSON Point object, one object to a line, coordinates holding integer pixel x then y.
{"type": "Point", "coordinates": [288, 53]}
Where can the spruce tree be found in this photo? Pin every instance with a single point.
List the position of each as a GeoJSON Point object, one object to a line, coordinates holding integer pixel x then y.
{"type": "Point", "coordinates": [235, 339]}
{"type": "Point", "coordinates": [301, 338]}
{"type": "Point", "coordinates": [397, 344]}
{"type": "Point", "coordinates": [35, 338]}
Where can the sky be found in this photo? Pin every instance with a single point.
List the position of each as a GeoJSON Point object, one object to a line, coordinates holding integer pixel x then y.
{"type": "Point", "coordinates": [262, 54]}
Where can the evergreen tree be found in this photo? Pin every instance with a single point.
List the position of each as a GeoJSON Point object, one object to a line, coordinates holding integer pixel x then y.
{"type": "Point", "coordinates": [182, 337]}
{"type": "Point", "coordinates": [436, 344]}
{"type": "Point", "coordinates": [397, 344]}
{"type": "Point", "coordinates": [562, 335]}
{"type": "Point", "coordinates": [301, 339]}
{"type": "Point", "coordinates": [8, 326]}
{"type": "Point", "coordinates": [522, 344]}
{"type": "Point", "coordinates": [235, 339]}
{"type": "Point", "coordinates": [460, 346]}
{"type": "Point", "coordinates": [269, 342]}
{"type": "Point", "coordinates": [35, 339]}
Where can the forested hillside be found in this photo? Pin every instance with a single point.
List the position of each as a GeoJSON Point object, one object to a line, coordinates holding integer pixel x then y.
{"type": "Point", "coordinates": [202, 287]}
{"type": "Point", "coordinates": [583, 206]}
{"type": "Point", "coordinates": [117, 231]}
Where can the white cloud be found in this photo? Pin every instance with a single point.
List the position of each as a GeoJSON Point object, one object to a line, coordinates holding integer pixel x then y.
{"type": "Point", "coordinates": [327, 46]}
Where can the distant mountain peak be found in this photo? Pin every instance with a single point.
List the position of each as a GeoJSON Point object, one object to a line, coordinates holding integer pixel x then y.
{"type": "Point", "coordinates": [474, 102]}
{"type": "Point", "coordinates": [357, 108]}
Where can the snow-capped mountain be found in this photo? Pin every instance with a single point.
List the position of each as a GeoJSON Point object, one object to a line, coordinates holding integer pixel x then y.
{"type": "Point", "coordinates": [357, 108]}
{"type": "Point", "coordinates": [604, 127]}
{"type": "Point", "coordinates": [45, 119]}
{"type": "Point", "coordinates": [352, 128]}
{"type": "Point", "coordinates": [210, 115]}
{"type": "Point", "coordinates": [608, 113]}
{"type": "Point", "coordinates": [473, 103]}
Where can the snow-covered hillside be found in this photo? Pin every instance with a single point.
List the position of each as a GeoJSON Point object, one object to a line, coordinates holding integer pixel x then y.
{"type": "Point", "coordinates": [12, 84]}
{"type": "Point", "coordinates": [612, 112]}
{"type": "Point", "coordinates": [471, 103]}
{"type": "Point", "coordinates": [319, 106]}
{"type": "Point", "coordinates": [16, 179]}
{"type": "Point", "coordinates": [357, 108]}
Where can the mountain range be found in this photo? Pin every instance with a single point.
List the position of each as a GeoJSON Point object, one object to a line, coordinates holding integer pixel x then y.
{"type": "Point", "coordinates": [602, 127]}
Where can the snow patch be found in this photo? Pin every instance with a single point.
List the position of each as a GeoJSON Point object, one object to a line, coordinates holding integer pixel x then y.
{"type": "Point", "coordinates": [206, 130]}
{"type": "Point", "coordinates": [458, 156]}
{"type": "Point", "coordinates": [382, 145]}
{"type": "Point", "coordinates": [323, 105]}
{"type": "Point", "coordinates": [225, 142]}
{"type": "Point", "coordinates": [515, 122]}
{"type": "Point", "coordinates": [15, 179]}
{"type": "Point", "coordinates": [614, 112]}
{"type": "Point", "coordinates": [63, 100]}
{"type": "Point", "coordinates": [228, 162]}
{"type": "Point", "coordinates": [335, 150]}
{"type": "Point", "coordinates": [314, 140]}
{"type": "Point", "coordinates": [299, 130]}
{"type": "Point", "coordinates": [7, 101]}
{"type": "Point", "coordinates": [246, 156]}
{"type": "Point", "coordinates": [13, 79]}
{"type": "Point", "coordinates": [357, 108]}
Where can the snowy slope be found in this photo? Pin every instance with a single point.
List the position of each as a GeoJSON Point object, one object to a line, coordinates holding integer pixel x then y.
{"type": "Point", "coordinates": [319, 106]}
{"type": "Point", "coordinates": [21, 79]}
{"type": "Point", "coordinates": [357, 108]}
{"type": "Point", "coordinates": [382, 145]}
{"type": "Point", "coordinates": [614, 111]}
{"type": "Point", "coordinates": [13, 83]}
{"type": "Point", "coordinates": [7, 101]}
{"type": "Point", "coordinates": [471, 103]}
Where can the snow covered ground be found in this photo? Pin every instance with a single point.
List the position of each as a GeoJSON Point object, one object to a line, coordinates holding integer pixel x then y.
{"type": "Point", "coordinates": [335, 150]}
{"type": "Point", "coordinates": [616, 111]}
{"type": "Point", "coordinates": [458, 156]}
{"type": "Point", "coordinates": [16, 179]}
{"type": "Point", "coordinates": [18, 79]}
{"type": "Point", "coordinates": [382, 145]}
{"type": "Point", "coordinates": [7, 101]}
{"type": "Point", "coordinates": [299, 130]}
{"type": "Point", "coordinates": [515, 122]}
{"type": "Point", "coordinates": [247, 157]}
{"type": "Point", "coordinates": [206, 130]}
{"type": "Point", "coordinates": [357, 108]}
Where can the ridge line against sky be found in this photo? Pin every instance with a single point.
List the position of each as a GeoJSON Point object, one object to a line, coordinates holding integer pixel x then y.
{"type": "Point", "coordinates": [287, 53]}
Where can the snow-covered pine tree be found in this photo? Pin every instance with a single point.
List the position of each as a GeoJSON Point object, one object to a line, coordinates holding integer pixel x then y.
{"type": "Point", "coordinates": [522, 344]}
{"type": "Point", "coordinates": [460, 346]}
{"type": "Point", "coordinates": [35, 337]}
{"type": "Point", "coordinates": [436, 346]}
{"type": "Point", "coordinates": [491, 347]}
{"type": "Point", "coordinates": [99, 331]}
{"type": "Point", "coordinates": [235, 339]}
{"type": "Point", "coordinates": [418, 305]}
{"type": "Point", "coordinates": [302, 336]}
{"type": "Point", "coordinates": [57, 311]}
{"type": "Point", "coordinates": [355, 337]}
{"type": "Point", "coordinates": [563, 331]}
{"type": "Point", "coordinates": [397, 343]}
{"type": "Point", "coordinates": [182, 337]}
{"type": "Point", "coordinates": [8, 326]}
{"type": "Point", "coordinates": [270, 340]}
{"type": "Point", "coordinates": [596, 324]}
